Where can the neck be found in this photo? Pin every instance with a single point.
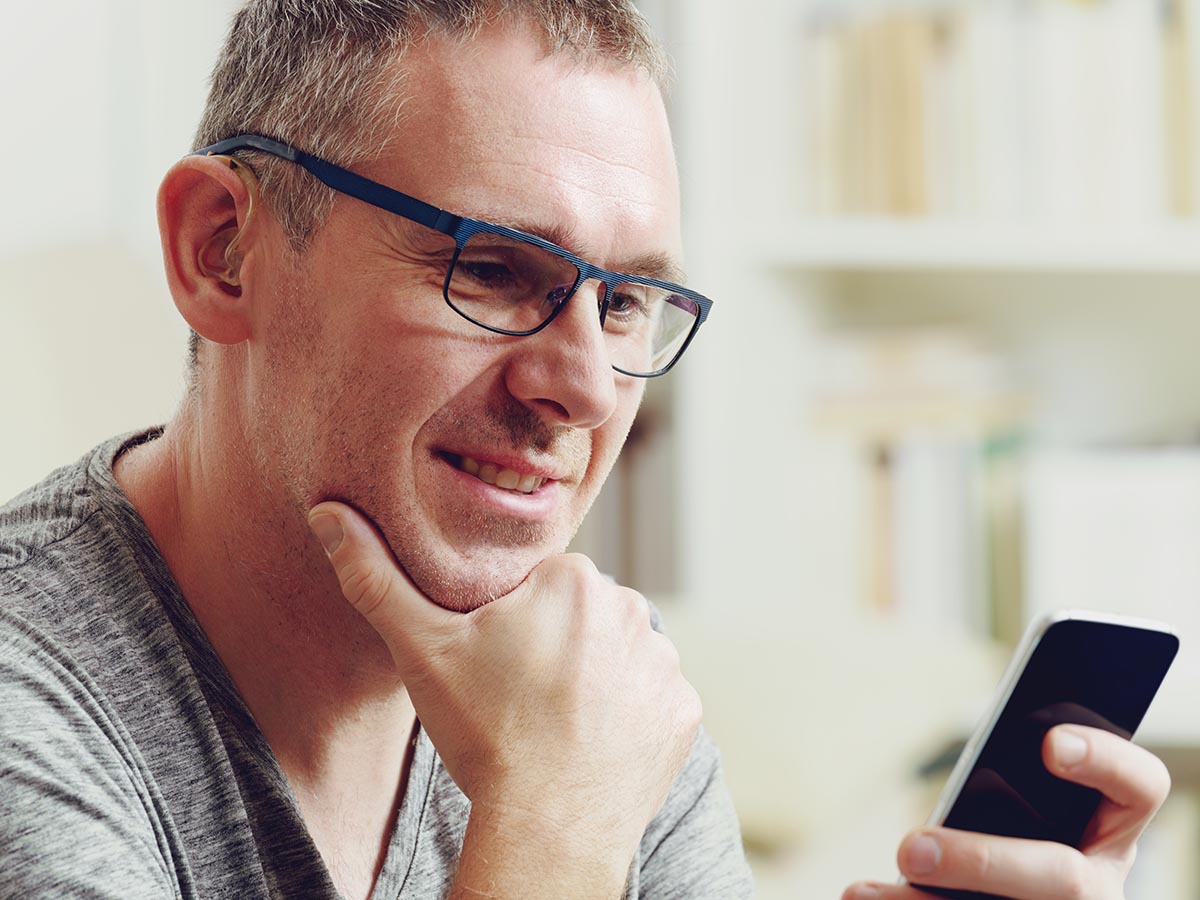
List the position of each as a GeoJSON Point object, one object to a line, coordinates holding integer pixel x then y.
{"type": "Point", "coordinates": [317, 679]}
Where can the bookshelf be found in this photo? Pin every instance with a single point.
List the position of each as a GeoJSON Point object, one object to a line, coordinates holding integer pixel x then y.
{"type": "Point", "coordinates": [859, 243]}
{"type": "Point", "coordinates": [1044, 215]}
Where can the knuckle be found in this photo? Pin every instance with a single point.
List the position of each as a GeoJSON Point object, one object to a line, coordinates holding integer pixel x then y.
{"type": "Point", "coordinates": [1127, 857]}
{"type": "Point", "coordinates": [665, 652]}
{"type": "Point", "coordinates": [364, 586]}
{"type": "Point", "coordinates": [1160, 782]}
{"type": "Point", "coordinates": [671, 654]}
{"type": "Point", "coordinates": [975, 858]}
{"type": "Point", "coordinates": [556, 568]}
{"type": "Point", "coordinates": [1073, 877]}
{"type": "Point", "coordinates": [693, 708]}
{"type": "Point", "coordinates": [579, 565]}
{"type": "Point", "coordinates": [634, 607]}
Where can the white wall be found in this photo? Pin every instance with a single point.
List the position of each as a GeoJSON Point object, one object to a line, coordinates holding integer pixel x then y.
{"type": "Point", "coordinates": [101, 97]}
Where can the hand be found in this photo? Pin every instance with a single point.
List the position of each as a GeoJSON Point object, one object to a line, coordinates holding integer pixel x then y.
{"type": "Point", "coordinates": [556, 705]}
{"type": "Point", "coordinates": [1134, 784]}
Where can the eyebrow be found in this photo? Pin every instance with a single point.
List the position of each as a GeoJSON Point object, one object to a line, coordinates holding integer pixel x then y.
{"type": "Point", "coordinates": [658, 265]}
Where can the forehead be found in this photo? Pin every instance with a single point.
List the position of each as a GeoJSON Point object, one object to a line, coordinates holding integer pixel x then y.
{"type": "Point", "coordinates": [498, 129]}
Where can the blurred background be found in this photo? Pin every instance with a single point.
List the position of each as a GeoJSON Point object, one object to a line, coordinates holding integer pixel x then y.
{"type": "Point", "coordinates": [950, 381]}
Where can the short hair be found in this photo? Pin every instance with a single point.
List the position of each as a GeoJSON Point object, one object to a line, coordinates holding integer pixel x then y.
{"type": "Point", "coordinates": [322, 76]}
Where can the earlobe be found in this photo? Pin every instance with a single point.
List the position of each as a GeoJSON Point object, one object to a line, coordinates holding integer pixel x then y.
{"type": "Point", "coordinates": [206, 209]}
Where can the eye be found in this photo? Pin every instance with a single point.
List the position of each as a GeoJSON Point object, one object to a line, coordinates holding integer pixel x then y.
{"type": "Point", "coordinates": [485, 271]}
{"type": "Point", "coordinates": [626, 304]}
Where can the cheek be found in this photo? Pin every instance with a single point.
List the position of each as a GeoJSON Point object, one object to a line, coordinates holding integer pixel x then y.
{"type": "Point", "coordinates": [610, 438]}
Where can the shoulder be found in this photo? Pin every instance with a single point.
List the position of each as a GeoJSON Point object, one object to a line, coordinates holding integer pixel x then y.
{"type": "Point", "coordinates": [79, 811]}
{"type": "Point", "coordinates": [76, 813]}
{"type": "Point", "coordinates": [69, 560]}
{"type": "Point", "coordinates": [44, 514]}
{"type": "Point", "coordinates": [693, 847]}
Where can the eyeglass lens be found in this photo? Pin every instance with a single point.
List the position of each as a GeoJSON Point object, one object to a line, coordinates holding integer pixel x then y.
{"type": "Point", "coordinates": [513, 285]}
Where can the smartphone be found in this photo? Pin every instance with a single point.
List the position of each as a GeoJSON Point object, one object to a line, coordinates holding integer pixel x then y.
{"type": "Point", "coordinates": [1072, 666]}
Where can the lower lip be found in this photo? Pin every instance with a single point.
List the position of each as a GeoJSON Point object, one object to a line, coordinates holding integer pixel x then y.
{"type": "Point", "coordinates": [536, 506]}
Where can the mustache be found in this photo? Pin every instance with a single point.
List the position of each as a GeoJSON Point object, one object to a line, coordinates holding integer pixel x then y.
{"type": "Point", "coordinates": [513, 424]}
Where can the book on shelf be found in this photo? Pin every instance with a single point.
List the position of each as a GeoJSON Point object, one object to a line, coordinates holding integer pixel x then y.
{"type": "Point", "coordinates": [938, 421]}
{"type": "Point", "coordinates": [1046, 110]}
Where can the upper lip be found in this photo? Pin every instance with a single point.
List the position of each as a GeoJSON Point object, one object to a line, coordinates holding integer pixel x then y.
{"type": "Point", "coordinates": [522, 465]}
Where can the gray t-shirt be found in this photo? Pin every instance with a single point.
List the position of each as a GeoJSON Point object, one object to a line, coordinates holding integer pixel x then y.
{"type": "Point", "coordinates": [130, 767]}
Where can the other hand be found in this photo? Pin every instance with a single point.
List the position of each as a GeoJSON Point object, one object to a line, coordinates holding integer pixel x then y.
{"type": "Point", "coordinates": [1134, 784]}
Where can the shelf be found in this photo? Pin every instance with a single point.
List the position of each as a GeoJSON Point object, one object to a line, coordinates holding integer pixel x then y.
{"type": "Point", "coordinates": [842, 244]}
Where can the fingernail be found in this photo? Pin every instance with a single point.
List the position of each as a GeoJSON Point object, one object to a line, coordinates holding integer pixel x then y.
{"type": "Point", "coordinates": [328, 531]}
{"type": "Point", "coordinates": [924, 855]}
{"type": "Point", "coordinates": [1069, 749]}
{"type": "Point", "coordinates": [863, 892]}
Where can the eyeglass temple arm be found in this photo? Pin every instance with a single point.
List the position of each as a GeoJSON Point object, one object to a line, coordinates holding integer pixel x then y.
{"type": "Point", "coordinates": [344, 181]}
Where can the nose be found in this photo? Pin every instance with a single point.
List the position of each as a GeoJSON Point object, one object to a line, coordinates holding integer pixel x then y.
{"type": "Point", "coordinates": [564, 371]}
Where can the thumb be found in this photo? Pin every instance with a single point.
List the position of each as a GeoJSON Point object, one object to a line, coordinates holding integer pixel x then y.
{"type": "Point", "coordinates": [372, 580]}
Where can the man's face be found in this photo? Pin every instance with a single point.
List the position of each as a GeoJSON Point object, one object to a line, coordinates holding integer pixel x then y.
{"type": "Point", "coordinates": [367, 387]}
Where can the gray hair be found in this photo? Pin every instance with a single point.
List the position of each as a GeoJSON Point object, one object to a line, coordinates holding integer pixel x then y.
{"type": "Point", "coordinates": [322, 76]}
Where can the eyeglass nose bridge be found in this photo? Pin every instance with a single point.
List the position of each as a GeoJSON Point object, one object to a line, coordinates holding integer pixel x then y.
{"type": "Point", "coordinates": [604, 295]}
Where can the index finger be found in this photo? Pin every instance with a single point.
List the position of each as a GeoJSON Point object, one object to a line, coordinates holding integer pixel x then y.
{"type": "Point", "coordinates": [1134, 782]}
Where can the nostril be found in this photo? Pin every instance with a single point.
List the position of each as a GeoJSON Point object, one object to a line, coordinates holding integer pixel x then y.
{"type": "Point", "coordinates": [556, 409]}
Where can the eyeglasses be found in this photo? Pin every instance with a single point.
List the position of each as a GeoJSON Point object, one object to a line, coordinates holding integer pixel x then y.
{"type": "Point", "coordinates": [515, 283]}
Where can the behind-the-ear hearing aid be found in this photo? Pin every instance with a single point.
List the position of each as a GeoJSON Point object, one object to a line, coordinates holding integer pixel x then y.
{"type": "Point", "coordinates": [232, 256]}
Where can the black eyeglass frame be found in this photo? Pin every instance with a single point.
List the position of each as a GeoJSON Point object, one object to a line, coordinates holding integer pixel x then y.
{"type": "Point", "coordinates": [461, 229]}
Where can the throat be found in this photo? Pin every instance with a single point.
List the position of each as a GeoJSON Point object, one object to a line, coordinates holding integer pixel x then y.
{"type": "Point", "coordinates": [350, 807]}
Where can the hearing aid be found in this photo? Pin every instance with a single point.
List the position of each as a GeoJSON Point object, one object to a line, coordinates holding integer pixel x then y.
{"type": "Point", "coordinates": [232, 256]}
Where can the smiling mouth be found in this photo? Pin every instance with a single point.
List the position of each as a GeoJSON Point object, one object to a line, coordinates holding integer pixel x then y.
{"type": "Point", "coordinates": [490, 473]}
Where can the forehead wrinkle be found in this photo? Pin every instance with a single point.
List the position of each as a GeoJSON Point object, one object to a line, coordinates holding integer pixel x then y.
{"type": "Point", "coordinates": [540, 140]}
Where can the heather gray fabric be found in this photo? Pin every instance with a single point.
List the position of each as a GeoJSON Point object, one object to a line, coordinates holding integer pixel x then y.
{"type": "Point", "coordinates": [131, 769]}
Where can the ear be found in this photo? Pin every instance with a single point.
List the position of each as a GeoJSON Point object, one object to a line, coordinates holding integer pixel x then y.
{"type": "Point", "coordinates": [211, 239]}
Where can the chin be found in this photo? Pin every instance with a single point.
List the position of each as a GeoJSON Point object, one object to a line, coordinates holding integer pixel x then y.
{"type": "Point", "coordinates": [465, 585]}
{"type": "Point", "coordinates": [475, 559]}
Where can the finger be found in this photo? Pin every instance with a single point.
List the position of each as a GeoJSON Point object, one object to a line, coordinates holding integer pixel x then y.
{"type": "Point", "coordinates": [1134, 782]}
{"type": "Point", "coordinates": [874, 890]}
{"type": "Point", "coordinates": [1007, 867]}
{"type": "Point", "coordinates": [371, 579]}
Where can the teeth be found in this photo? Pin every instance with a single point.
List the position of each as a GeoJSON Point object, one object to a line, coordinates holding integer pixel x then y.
{"type": "Point", "coordinates": [501, 478]}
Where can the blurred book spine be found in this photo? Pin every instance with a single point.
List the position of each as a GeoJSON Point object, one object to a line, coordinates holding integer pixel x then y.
{"type": "Point", "coordinates": [956, 109]}
{"type": "Point", "coordinates": [940, 424]}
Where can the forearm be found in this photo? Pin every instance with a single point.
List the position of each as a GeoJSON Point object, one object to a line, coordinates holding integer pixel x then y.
{"type": "Point", "coordinates": [510, 855]}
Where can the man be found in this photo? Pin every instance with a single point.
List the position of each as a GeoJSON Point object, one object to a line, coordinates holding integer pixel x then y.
{"type": "Point", "coordinates": [409, 410]}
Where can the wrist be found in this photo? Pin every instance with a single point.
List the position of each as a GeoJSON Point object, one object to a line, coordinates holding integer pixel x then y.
{"type": "Point", "coordinates": [511, 852]}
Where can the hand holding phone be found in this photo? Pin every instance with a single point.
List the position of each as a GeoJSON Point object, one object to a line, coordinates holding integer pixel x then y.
{"type": "Point", "coordinates": [1054, 821]}
{"type": "Point", "coordinates": [1072, 667]}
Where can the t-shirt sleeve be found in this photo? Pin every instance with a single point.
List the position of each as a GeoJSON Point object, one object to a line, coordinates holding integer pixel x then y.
{"type": "Point", "coordinates": [693, 848]}
{"type": "Point", "coordinates": [77, 818]}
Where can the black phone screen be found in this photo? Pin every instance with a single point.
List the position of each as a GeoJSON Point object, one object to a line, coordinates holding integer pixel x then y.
{"type": "Point", "coordinates": [1081, 672]}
